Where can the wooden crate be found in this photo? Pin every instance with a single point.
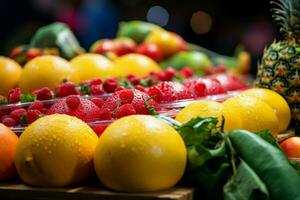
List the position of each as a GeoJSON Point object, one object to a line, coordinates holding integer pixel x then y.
{"type": "Point", "coordinates": [19, 191]}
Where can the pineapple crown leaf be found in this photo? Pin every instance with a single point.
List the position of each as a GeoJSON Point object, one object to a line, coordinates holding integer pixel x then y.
{"type": "Point", "coordinates": [286, 13]}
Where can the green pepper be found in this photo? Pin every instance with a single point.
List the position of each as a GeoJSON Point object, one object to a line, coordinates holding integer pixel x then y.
{"type": "Point", "coordinates": [269, 163]}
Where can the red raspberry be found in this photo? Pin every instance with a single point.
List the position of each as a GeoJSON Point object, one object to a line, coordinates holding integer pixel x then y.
{"type": "Point", "coordinates": [17, 114]}
{"type": "Point", "coordinates": [140, 88]}
{"type": "Point", "coordinates": [119, 88]}
{"type": "Point", "coordinates": [14, 95]}
{"type": "Point", "coordinates": [200, 88]}
{"type": "Point", "coordinates": [110, 85]}
{"type": "Point", "coordinates": [43, 94]}
{"type": "Point", "coordinates": [99, 129]}
{"type": "Point", "coordinates": [73, 101]}
{"type": "Point", "coordinates": [9, 122]}
{"type": "Point", "coordinates": [126, 96]}
{"type": "Point", "coordinates": [96, 90]}
{"type": "Point", "coordinates": [169, 74]}
{"type": "Point", "coordinates": [37, 105]}
{"type": "Point", "coordinates": [98, 101]}
{"type": "Point", "coordinates": [33, 115]}
{"type": "Point", "coordinates": [133, 79]}
{"type": "Point", "coordinates": [124, 110]}
{"type": "Point", "coordinates": [187, 72]}
{"type": "Point", "coordinates": [96, 81]}
{"type": "Point", "coordinates": [66, 89]}
{"type": "Point", "coordinates": [105, 114]}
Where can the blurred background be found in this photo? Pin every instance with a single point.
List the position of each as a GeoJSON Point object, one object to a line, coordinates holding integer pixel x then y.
{"type": "Point", "coordinates": [215, 24]}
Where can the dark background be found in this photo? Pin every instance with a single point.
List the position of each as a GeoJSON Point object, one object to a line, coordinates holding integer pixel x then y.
{"type": "Point", "coordinates": [233, 22]}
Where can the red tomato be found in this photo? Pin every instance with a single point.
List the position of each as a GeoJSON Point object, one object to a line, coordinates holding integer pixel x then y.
{"type": "Point", "coordinates": [291, 147]}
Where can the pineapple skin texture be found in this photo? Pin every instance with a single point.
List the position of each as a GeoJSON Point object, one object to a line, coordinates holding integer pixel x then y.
{"type": "Point", "coordinates": [280, 71]}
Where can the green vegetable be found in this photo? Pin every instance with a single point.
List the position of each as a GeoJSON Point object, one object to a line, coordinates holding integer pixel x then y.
{"type": "Point", "coordinates": [245, 185]}
{"type": "Point", "coordinates": [136, 30]}
{"type": "Point", "coordinates": [57, 35]}
{"type": "Point", "coordinates": [269, 163]}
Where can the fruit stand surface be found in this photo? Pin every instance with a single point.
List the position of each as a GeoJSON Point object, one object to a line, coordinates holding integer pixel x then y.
{"type": "Point", "coordinates": [19, 191]}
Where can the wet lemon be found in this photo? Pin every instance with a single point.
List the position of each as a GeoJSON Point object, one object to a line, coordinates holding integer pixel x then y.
{"type": "Point", "coordinates": [140, 153]}
{"type": "Point", "coordinates": [56, 150]}
{"type": "Point", "coordinates": [209, 109]}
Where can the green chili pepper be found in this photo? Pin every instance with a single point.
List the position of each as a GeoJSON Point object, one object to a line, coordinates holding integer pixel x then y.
{"type": "Point", "coordinates": [269, 163]}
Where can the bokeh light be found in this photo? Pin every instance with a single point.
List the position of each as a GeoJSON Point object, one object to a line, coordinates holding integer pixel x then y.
{"type": "Point", "coordinates": [201, 22]}
{"type": "Point", "coordinates": [158, 15]}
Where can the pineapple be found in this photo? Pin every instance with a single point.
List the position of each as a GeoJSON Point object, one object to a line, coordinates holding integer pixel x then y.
{"type": "Point", "coordinates": [280, 65]}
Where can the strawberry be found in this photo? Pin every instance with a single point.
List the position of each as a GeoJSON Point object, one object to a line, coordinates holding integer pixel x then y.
{"type": "Point", "coordinates": [9, 122]}
{"type": "Point", "coordinates": [66, 89]}
{"type": "Point", "coordinates": [15, 107]}
{"type": "Point", "coordinates": [96, 90]}
{"type": "Point", "coordinates": [110, 85]}
{"type": "Point", "coordinates": [98, 102]}
{"type": "Point", "coordinates": [96, 81]}
{"type": "Point", "coordinates": [169, 74]}
{"type": "Point", "coordinates": [133, 79]}
{"type": "Point", "coordinates": [213, 86]}
{"type": "Point", "coordinates": [140, 88]}
{"type": "Point", "coordinates": [126, 96]}
{"type": "Point", "coordinates": [99, 129]}
{"type": "Point", "coordinates": [119, 88]}
{"type": "Point", "coordinates": [37, 105]}
{"type": "Point", "coordinates": [18, 114]}
{"type": "Point", "coordinates": [196, 88]}
{"type": "Point", "coordinates": [230, 82]}
{"type": "Point", "coordinates": [33, 115]}
{"type": "Point", "coordinates": [14, 95]}
{"type": "Point", "coordinates": [43, 94]}
{"type": "Point", "coordinates": [104, 114]}
{"type": "Point", "coordinates": [187, 72]}
{"type": "Point", "coordinates": [125, 110]}
{"type": "Point", "coordinates": [73, 101]}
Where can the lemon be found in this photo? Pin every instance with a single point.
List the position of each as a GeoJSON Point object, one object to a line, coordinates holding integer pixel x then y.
{"type": "Point", "coordinates": [90, 66]}
{"type": "Point", "coordinates": [136, 64]}
{"type": "Point", "coordinates": [140, 153]}
{"type": "Point", "coordinates": [276, 101]}
{"type": "Point", "coordinates": [254, 113]}
{"type": "Point", "coordinates": [205, 108]}
{"type": "Point", "coordinates": [56, 150]}
{"type": "Point", "coordinates": [10, 72]}
{"type": "Point", "coordinates": [46, 71]}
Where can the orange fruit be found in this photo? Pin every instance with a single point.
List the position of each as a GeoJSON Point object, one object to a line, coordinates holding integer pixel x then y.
{"type": "Point", "coordinates": [8, 142]}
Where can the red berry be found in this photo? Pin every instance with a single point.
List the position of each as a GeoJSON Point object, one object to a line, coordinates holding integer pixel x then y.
{"type": "Point", "coordinates": [169, 74]}
{"type": "Point", "coordinates": [99, 129]}
{"type": "Point", "coordinates": [9, 122]}
{"type": "Point", "coordinates": [133, 79]}
{"type": "Point", "coordinates": [37, 105]}
{"type": "Point", "coordinates": [126, 96]}
{"type": "Point", "coordinates": [33, 115]}
{"type": "Point", "coordinates": [66, 89]}
{"type": "Point", "coordinates": [73, 101]}
{"type": "Point", "coordinates": [14, 95]}
{"type": "Point", "coordinates": [3, 117]}
{"type": "Point", "coordinates": [110, 85]}
{"type": "Point", "coordinates": [96, 90]}
{"type": "Point", "coordinates": [17, 114]}
{"type": "Point", "coordinates": [43, 94]}
{"type": "Point", "coordinates": [140, 88]}
{"type": "Point", "coordinates": [187, 72]}
{"type": "Point", "coordinates": [96, 81]}
{"type": "Point", "coordinates": [16, 107]}
{"type": "Point", "coordinates": [105, 114]}
{"type": "Point", "coordinates": [119, 88]}
{"type": "Point", "coordinates": [200, 89]}
{"type": "Point", "coordinates": [124, 110]}
{"type": "Point", "coordinates": [98, 101]}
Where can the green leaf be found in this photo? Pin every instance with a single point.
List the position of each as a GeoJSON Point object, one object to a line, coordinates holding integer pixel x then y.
{"type": "Point", "coordinates": [126, 84]}
{"type": "Point", "coordinates": [245, 185]}
{"type": "Point", "coordinates": [85, 89]}
{"type": "Point", "coordinates": [27, 98]}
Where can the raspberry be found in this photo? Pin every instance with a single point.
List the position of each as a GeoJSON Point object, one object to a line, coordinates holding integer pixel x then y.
{"type": "Point", "coordinates": [18, 114]}
{"type": "Point", "coordinates": [110, 85]}
{"type": "Point", "coordinates": [96, 90]}
{"type": "Point", "coordinates": [99, 129]}
{"type": "Point", "coordinates": [66, 89]}
{"type": "Point", "coordinates": [9, 122]}
{"type": "Point", "coordinates": [96, 81]}
{"type": "Point", "coordinates": [126, 96]}
{"type": "Point", "coordinates": [98, 101]}
{"type": "Point", "coordinates": [105, 114]}
{"type": "Point", "coordinates": [187, 72]}
{"type": "Point", "coordinates": [37, 105]}
{"type": "Point", "coordinates": [14, 95]}
{"type": "Point", "coordinates": [119, 88]}
{"type": "Point", "coordinates": [200, 88]}
{"type": "Point", "coordinates": [124, 110]}
{"type": "Point", "coordinates": [169, 74]}
{"type": "Point", "coordinates": [33, 115]}
{"type": "Point", "coordinates": [43, 94]}
{"type": "Point", "coordinates": [73, 101]}
{"type": "Point", "coordinates": [140, 88]}
{"type": "Point", "coordinates": [133, 79]}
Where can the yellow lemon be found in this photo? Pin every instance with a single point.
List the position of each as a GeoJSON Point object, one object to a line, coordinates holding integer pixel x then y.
{"type": "Point", "coordinates": [254, 113]}
{"type": "Point", "coordinates": [46, 71]}
{"type": "Point", "coordinates": [140, 153]}
{"type": "Point", "coordinates": [276, 101]}
{"type": "Point", "coordinates": [90, 66]}
{"type": "Point", "coordinates": [56, 150]}
{"type": "Point", "coordinates": [136, 64]}
{"type": "Point", "coordinates": [205, 108]}
{"type": "Point", "coordinates": [10, 72]}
